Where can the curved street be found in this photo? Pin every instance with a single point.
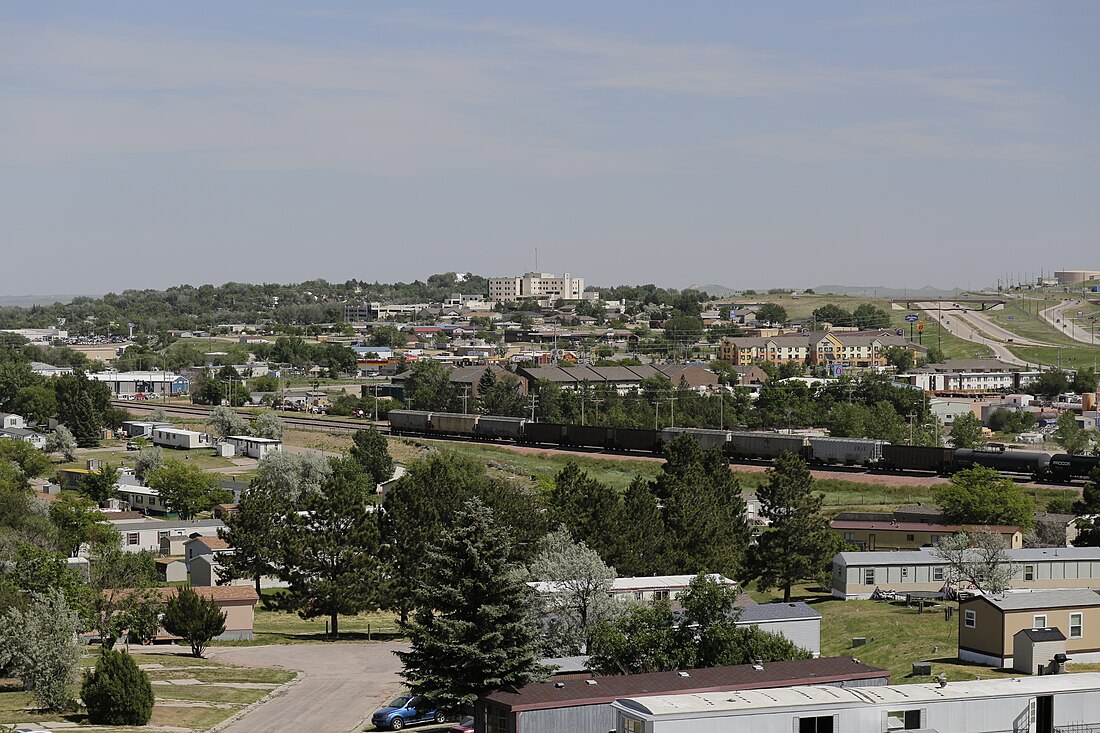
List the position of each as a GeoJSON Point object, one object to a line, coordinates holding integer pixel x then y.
{"type": "Point", "coordinates": [341, 685]}
{"type": "Point", "coordinates": [957, 326]}
{"type": "Point", "coordinates": [1056, 316]}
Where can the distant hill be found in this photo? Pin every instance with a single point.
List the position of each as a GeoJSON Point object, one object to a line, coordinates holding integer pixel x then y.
{"type": "Point", "coordinates": [883, 292]}
{"type": "Point", "coordinates": [26, 301]}
{"type": "Point", "coordinates": [880, 291]}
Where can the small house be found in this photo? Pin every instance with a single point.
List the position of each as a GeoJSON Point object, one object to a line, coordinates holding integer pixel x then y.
{"type": "Point", "coordinates": [246, 445]}
{"type": "Point", "coordinates": [988, 625]}
{"type": "Point", "coordinates": [181, 439]}
{"type": "Point", "coordinates": [171, 569]}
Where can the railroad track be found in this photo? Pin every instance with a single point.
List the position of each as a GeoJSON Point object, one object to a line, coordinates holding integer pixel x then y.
{"type": "Point", "coordinates": [853, 473]}
{"type": "Point", "coordinates": [197, 411]}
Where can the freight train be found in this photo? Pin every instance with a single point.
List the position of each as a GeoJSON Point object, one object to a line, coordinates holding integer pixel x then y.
{"type": "Point", "coordinates": [747, 445]}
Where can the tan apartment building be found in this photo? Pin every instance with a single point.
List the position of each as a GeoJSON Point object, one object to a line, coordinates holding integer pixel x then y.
{"type": "Point", "coordinates": [855, 575]}
{"type": "Point", "coordinates": [853, 348]}
{"type": "Point", "coordinates": [889, 534]}
{"type": "Point", "coordinates": [989, 625]}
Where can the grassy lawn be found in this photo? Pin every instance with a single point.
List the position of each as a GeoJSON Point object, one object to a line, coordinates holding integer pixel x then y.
{"type": "Point", "coordinates": [219, 702]}
{"type": "Point", "coordinates": [279, 627]}
{"type": "Point", "coordinates": [896, 636]}
{"type": "Point", "coordinates": [1069, 357]}
{"type": "Point", "coordinates": [203, 458]}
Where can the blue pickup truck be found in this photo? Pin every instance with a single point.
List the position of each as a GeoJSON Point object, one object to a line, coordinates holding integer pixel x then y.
{"type": "Point", "coordinates": [403, 711]}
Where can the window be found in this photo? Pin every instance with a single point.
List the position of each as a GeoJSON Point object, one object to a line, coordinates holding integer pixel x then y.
{"type": "Point", "coordinates": [161, 535]}
{"type": "Point", "coordinates": [1075, 625]}
{"type": "Point", "coordinates": [820, 724]}
{"type": "Point", "coordinates": [638, 595]}
{"type": "Point", "coordinates": [631, 726]}
{"type": "Point", "coordinates": [1039, 622]}
{"type": "Point", "coordinates": [496, 720]}
{"type": "Point", "coordinates": [660, 595]}
{"type": "Point", "coordinates": [131, 538]}
{"type": "Point", "coordinates": [903, 720]}
{"type": "Point", "coordinates": [935, 539]}
{"type": "Point", "coordinates": [850, 536]}
{"type": "Point", "coordinates": [937, 574]}
{"type": "Point", "coordinates": [1029, 572]}
{"type": "Point", "coordinates": [152, 501]}
{"type": "Point", "coordinates": [970, 619]}
{"type": "Point", "coordinates": [139, 499]}
{"type": "Point", "coordinates": [910, 538]}
{"type": "Point", "coordinates": [868, 576]}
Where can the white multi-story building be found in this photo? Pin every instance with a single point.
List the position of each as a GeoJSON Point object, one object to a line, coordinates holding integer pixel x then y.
{"type": "Point", "coordinates": [537, 285]}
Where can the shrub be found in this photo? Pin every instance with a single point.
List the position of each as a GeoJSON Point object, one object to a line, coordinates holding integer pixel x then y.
{"type": "Point", "coordinates": [194, 618]}
{"type": "Point", "coordinates": [117, 692]}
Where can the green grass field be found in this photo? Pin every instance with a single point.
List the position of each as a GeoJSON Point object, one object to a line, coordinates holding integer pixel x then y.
{"type": "Point", "coordinates": [200, 706]}
{"type": "Point", "coordinates": [280, 627]}
{"type": "Point", "coordinates": [896, 636]}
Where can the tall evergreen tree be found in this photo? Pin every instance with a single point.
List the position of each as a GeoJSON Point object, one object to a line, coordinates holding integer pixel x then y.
{"type": "Point", "coordinates": [589, 509]}
{"type": "Point", "coordinates": [472, 631]}
{"type": "Point", "coordinates": [371, 451]}
{"type": "Point", "coordinates": [705, 521]}
{"type": "Point", "coordinates": [81, 404]}
{"type": "Point", "coordinates": [194, 618]}
{"type": "Point", "coordinates": [249, 531]}
{"type": "Point", "coordinates": [798, 540]}
{"type": "Point", "coordinates": [329, 551]}
{"type": "Point", "coordinates": [642, 548]}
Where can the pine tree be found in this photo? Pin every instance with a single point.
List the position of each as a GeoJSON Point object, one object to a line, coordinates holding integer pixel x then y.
{"type": "Point", "coordinates": [588, 508]}
{"type": "Point", "coordinates": [117, 692]}
{"type": "Point", "coordinates": [194, 618]}
{"type": "Point", "coordinates": [80, 407]}
{"type": "Point", "coordinates": [371, 451]}
{"type": "Point", "coordinates": [705, 521]}
{"type": "Point", "coordinates": [472, 631]}
{"type": "Point", "coordinates": [249, 532]}
{"type": "Point", "coordinates": [798, 540]}
{"type": "Point", "coordinates": [329, 550]}
{"type": "Point", "coordinates": [642, 548]}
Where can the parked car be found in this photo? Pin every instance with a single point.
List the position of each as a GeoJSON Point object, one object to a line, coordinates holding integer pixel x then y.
{"type": "Point", "coordinates": [403, 711]}
{"type": "Point", "coordinates": [131, 445]}
{"type": "Point", "coordinates": [466, 725]}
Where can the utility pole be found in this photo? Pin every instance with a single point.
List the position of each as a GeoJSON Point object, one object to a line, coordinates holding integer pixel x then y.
{"type": "Point", "coordinates": [911, 416]}
{"type": "Point", "coordinates": [465, 395]}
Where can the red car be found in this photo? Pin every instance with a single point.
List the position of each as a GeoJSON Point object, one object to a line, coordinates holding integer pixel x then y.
{"type": "Point", "coordinates": [466, 725]}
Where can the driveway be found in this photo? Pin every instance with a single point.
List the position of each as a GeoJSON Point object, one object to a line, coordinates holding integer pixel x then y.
{"type": "Point", "coordinates": [341, 685]}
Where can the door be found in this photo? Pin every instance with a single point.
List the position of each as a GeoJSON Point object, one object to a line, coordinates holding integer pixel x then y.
{"type": "Point", "coordinates": [1044, 714]}
{"type": "Point", "coordinates": [871, 541]}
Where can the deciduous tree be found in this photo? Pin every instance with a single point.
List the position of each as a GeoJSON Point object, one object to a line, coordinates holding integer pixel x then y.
{"type": "Point", "coordinates": [979, 495]}
{"type": "Point", "coordinates": [371, 451]}
{"type": "Point", "coordinates": [186, 489]}
{"type": "Point", "coordinates": [966, 431]}
{"type": "Point", "coordinates": [40, 646]}
{"type": "Point", "coordinates": [976, 560]}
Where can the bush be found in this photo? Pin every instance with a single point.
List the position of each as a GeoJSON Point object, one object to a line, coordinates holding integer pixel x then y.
{"type": "Point", "coordinates": [194, 618]}
{"type": "Point", "coordinates": [117, 692]}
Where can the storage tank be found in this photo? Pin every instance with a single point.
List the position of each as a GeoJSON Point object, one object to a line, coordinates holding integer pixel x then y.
{"type": "Point", "coordinates": [1008, 461]}
{"type": "Point", "coordinates": [410, 421]}
{"type": "Point", "coordinates": [847, 451]}
{"type": "Point", "coordinates": [706, 439]}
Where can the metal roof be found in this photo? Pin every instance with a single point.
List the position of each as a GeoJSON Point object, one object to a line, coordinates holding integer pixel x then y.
{"type": "Point", "coordinates": [170, 524]}
{"type": "Point", "coordinates": [764, 612]}
{"type": "Point", "coordinates": [718, 703]}
{"type": "Point", "coordinates": [929, 557]}
{"type": "Point", "coordinates": [1038, 600]}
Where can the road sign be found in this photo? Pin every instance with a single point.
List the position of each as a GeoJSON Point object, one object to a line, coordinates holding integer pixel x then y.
{"type": "Point", "coordinates": [912, 318]}
{"type": "Point", "coordinates": [920, 326]}
{"type": "Point", "coordinates": [838, 370]}
{"type": "Point", "coordinates": [900, 332]}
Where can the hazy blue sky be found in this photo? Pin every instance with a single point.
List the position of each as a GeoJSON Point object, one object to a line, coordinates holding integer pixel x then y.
{"type": "Point", "coordinates": [749, 144]}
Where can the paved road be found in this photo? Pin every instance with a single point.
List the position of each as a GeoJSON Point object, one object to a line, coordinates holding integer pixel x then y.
{"type": "Point", "coordinates": [956, 325]}
{"type": "Point", "coordinates": [341, 685]}
{"type": "Point", "coordinates": [996, 331]}
{"type": "Point", "coordinates": [1056, 316]}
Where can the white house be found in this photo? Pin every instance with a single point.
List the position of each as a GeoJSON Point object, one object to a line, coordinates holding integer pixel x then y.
{"type": "Point", "coordinates": [147, 536]}
{"type": "Point", "coordinates": [27, 436]}
{"type": "Point", "coordinates": [181, 439]}
{"type": "Point", "coordinates": [141, 498]}
{"type": "Point", "coordinates": [11, 421]}
{"type": "Point", "coordinates": [246, 445]}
